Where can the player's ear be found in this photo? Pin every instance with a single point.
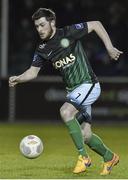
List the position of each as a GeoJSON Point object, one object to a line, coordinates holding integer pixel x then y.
{"type": "Point", "coordinates": [53, 23]}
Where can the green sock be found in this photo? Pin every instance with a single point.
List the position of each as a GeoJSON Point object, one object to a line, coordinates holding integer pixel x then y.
{"type": "Point", "coordinates": [75, 132]}
{"type": "Point", "coordinates": [97, 145]}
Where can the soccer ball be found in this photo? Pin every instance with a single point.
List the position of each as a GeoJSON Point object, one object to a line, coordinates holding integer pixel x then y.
{"type": "Point", "coordinates": [31, 146]}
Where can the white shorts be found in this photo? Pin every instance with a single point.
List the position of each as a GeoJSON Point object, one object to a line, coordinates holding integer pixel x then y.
{"type": "Point", "coordinates": [83, 96]}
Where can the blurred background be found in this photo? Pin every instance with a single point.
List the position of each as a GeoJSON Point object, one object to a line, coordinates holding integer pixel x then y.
{"type": "Point", "coordinates": [41, 99]}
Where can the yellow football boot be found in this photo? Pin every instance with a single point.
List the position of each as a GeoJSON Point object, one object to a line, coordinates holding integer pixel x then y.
{"type": "Point", "coordinates": [107, 166]}
{"type": "Point", "coordinates": [82, 164]}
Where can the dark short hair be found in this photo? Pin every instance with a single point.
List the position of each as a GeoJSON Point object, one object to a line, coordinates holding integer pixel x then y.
{"type": "Point", "coordinates": [44, 12]}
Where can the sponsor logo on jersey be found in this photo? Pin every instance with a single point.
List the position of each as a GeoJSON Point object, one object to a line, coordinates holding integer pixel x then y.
{"type": "Point", "coordinates": [79, 26]}
{"type": "Point", "coordinates": [65, 62]}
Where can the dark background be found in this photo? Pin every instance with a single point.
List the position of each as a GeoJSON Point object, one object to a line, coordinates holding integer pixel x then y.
{"type": "Point", "coordinates": [112, 14]}
{"type": "Point", "coordinates": [31, 102]}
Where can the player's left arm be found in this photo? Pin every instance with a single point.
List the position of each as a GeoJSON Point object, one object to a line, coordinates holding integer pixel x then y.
{"type": "Point", "coordinates": [102, 33]}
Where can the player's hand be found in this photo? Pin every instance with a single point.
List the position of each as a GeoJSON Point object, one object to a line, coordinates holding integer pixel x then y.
{"type": "Point", "coordinates": [13, 81]}
{"type": "Point", "coordinates": [114, 53]}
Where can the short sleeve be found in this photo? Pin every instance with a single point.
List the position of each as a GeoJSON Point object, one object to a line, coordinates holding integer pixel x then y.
{"type": "Point", "coordinates": [37, 61]}
{"type": "Point", "coordinates": [77, 31]}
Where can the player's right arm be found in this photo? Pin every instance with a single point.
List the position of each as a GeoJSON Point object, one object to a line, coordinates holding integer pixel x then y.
{"type": "Point", "coordinates": [28, 75]}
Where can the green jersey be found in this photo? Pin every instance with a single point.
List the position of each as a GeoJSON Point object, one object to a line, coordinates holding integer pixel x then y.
{"type": "Point", "coordinates": [66, 53]}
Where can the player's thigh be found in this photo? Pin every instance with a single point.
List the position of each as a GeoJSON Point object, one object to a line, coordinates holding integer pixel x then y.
{"type": "Point", "coordinates": [84, 95]}
{"type": "Point", "coordinates": [67, 111]}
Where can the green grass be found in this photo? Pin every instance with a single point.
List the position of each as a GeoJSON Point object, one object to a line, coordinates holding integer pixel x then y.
{"type": "Point", "coordinates": [59, 156]}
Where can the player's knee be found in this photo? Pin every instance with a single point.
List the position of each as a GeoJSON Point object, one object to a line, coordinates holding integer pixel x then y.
{"type": "Point", "coordinates": [66, 113]}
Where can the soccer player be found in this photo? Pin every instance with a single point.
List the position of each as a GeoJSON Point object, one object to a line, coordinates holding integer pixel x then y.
{"type": "Point", "coordinates": [63, 48]}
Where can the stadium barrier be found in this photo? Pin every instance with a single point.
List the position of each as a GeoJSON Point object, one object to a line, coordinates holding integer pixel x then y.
{"type": "Point", "coordinates": [41, 99]}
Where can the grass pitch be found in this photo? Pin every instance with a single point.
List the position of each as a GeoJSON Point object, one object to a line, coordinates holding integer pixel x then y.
{"type": "Point", "coordinates": [59, 156]}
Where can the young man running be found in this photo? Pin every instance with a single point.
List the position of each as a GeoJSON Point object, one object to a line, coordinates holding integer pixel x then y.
{"type": "Point", "coordinates": [63, 48]}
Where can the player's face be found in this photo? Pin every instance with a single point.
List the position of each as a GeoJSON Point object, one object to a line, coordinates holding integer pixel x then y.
{"type": "Point", "coordinates": [44, 28]}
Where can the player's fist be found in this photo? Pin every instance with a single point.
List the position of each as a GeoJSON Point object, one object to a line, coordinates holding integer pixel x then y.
{"type": "Point", "coordinates": [13, 81]}
{"type": "Point", "coordinates": [114, 53]}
